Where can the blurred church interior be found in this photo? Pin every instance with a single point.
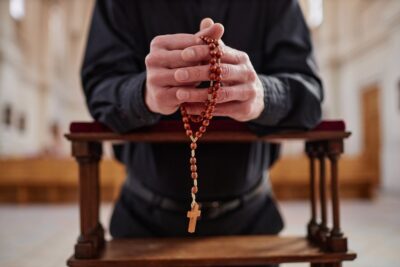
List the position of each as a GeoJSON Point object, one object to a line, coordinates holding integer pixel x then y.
{"type": "Point", "coordinates": [357, 45]}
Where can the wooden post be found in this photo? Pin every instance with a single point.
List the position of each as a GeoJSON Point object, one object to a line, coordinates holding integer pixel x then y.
{"type": "Point", "coordinates": [337, 242]}
{"type": "Point", "coordinates": [91, 238]}
{"type": "Point", "coordinates": [323, 230]}
{"type": "Point", "coordinates": [312, 226]}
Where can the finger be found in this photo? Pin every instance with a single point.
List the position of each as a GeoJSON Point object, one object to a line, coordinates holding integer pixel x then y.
{"type": "Point", "coordinates": [167, 97]}
{"type": "Point", "coordinates": [166, 78]}
{"type": "Point", "coordinates": [167, 59]}
{"type": "Point", "coordinates": [215, 31]}
{"type": "Point", "coordinates": [191, 94]}
{"type": "Point", "coordinates": [205, 23]}
{"type": "Point", "coordinates": [182, 40]}
{"type": "Point", "coordinates": [236, 110]}
{"type": "Point", "coordinates": [202, 53]}
{"type": "Point", "coordinates": [240, 92]}
{"type": "Point", "coordinates": [230, 73]}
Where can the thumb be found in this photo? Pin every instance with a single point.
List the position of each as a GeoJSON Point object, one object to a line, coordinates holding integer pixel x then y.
{"type": "Point", "coordinates": [205, 23]}
{"type": "Point", "coordinates": [214, 31]}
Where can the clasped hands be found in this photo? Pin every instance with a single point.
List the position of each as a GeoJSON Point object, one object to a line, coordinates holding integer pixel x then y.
{"type": "Point", "coordinates": [177, 63]}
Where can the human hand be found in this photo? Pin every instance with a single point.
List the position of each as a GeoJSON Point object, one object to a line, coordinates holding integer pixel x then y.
{"type": "Point", "coordinates": [166, 55]}
{"type": "Point", "coordinates": [242, 94]}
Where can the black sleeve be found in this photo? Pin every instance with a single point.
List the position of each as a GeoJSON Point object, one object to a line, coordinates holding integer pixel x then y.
{"type": "Point", "coordinates": [292, 89]}
{"type": "Point", "coordinates": [113, 75]}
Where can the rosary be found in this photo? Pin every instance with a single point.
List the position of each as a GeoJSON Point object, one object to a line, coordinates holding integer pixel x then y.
{"type": "Point", "coordinates": [203, 119]}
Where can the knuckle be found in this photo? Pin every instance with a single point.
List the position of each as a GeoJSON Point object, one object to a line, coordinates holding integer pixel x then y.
{"type": "Point", "coordinates": [158, 95]}
{"type": "Point", "coordinates": [156, 41]}
{"type": "Point", "coordinates": [226, 70]}
{"type": "Point", "coordinates": [251, 75]}
{"type": "Point", "coordinates": [151, 78]}
{"type": "Point", "coordinates": [251, 92]}
{"type": "Point", "coordinates": [150, 59]}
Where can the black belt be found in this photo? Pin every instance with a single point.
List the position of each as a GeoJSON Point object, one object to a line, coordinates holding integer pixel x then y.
{"type": "Point", "coordinates": [209, 209]}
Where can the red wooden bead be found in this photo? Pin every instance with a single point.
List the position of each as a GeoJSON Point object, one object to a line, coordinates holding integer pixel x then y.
{"type": "Point", "coordinates": [194, 175]}
{"type": "Point", "coordinates": [193, 167]}
{"type": "Point", "coordinates": [189, 132]}
{"type": "Point", "coordinates": [185, 119]}
{"type": "Point", "coordinates": [202, 129]}
{"type": "Point", "coordinates": [212, 46]}
{"type": "Point", "coordinates": [195, 189]}
{"type": "Point", "coordinates": [213, 53]}
{"type": "Point", "coordinates": [213, 68]}
{"type": "Point", "coordinates": [193, 146]}
{"type": "Point", "coordinates": [186, 126]}
{"type": "Point", "coordinates": [218, 54]}
{"type": "Point", "coordinates": [218, 70]}
{"type": "Point", "coordinates": [206, 122]}
{"type": "Point", "coordinates": [218, 78]}
{"type": "Point", "coordinates": [198, 134]}
{"type": "Point", "coordinates": [214, 94]}
{"type": "Point", "coordinates": [193, 160]}
{"type": "Point", "coordinates": [213, 77]}
{"type": "Point", "coordinates": [213, 61]}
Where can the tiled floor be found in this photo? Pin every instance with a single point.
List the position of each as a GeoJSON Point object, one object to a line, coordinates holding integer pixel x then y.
{"type": "Point", "coordinates": [43, 235]}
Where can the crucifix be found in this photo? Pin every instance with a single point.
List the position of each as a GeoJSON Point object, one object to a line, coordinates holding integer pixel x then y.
{"type": "Point", "coordinates": [193, 215]}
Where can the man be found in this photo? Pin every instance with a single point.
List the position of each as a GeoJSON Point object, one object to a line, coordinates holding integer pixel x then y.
{"type": "Point", "coordinates": [145, 58]}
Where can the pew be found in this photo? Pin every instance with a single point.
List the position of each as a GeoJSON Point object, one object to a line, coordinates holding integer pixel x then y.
{"type": "Point", "coordinates": [324, 243]}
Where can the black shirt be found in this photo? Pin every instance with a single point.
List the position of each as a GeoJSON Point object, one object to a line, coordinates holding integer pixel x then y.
{"type": "Point", "coordinates": [273, 33]}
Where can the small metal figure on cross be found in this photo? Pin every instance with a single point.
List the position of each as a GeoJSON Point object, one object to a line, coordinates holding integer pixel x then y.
{"type": "Point", "coordinates": [193, 216]}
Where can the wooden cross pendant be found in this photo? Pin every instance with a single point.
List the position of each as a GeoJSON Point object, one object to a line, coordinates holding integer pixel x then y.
{"type": "Point", "coordinates": [193, 215]}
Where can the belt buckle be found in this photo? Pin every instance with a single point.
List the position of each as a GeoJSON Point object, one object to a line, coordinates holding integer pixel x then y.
{"type": "Point", "coordinates": [211, 209]}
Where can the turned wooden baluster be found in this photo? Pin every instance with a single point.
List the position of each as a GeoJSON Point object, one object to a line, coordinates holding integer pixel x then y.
{"type": "Point", "coordinates": [337, 242]}
{"type": "Point", "coordinates": [312, 226]}
{"type": "Point", "coordinates": [91, 238]}
{"type": "Point", "coordinates": [323, 230]}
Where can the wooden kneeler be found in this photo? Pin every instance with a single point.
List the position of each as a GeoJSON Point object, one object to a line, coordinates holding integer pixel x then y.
{"type": "Point", "coordinates": [322, 246]}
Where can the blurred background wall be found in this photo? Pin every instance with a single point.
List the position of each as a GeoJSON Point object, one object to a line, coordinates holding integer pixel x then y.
{"type": "Point", "coordinates": [41, 44]}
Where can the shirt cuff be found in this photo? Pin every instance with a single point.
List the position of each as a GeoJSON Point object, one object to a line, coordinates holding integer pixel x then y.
{"type": "Point", "coordinates": [133, 103]}
{"type": "Point", "coordinates": [276, 101]}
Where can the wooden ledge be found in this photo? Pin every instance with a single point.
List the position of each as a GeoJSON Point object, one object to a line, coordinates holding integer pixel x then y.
{"type": "Point", "coordinates": [220, 130]}
{"type": "Point", "coordinates": [210, 251]}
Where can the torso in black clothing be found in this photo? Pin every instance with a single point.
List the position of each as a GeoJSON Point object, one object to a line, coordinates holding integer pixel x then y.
{"type": "Point", "coordinates": [225, 170]}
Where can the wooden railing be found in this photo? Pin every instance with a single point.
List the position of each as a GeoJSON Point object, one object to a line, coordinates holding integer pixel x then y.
{"type": "Point", "coordinates": [322, 246]}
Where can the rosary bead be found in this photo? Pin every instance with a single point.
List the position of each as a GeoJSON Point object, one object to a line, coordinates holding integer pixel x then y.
{"type": "Point", "coordinates": [213, 53]}
{"type": "Point", "coordinates": [193, 146]}
{"type": "Point", "coordinates": [218, 78]}
{"type": "Point", "coordinates": [206, 122]}
{"type": "Point", "coordinates": [218, 70]}
{"type": "Point", "coordinates": [210, 90]}
{"type": "Point", "coordinates": [185, 119]}
{"type": "Point", "coordinates": [212, 46]}
{"type": "Point", "coordinates": [186, 126]}
{"type": "Point", "coordinates": [192, 160]}
{"type": "Point", "coordinates": [213, 77]}
{"type": "Point", "coordinates": [195, 189]}
{"type": "Point", "coordinates": [202, 129]}
{"type": "Point", "coordinates": [194, 175]}
{"type": "Point", "coordinates": [189, 132]}
{"type": "Point", "coordinates": [214, 94]}
{"type": "Point", "coordinates": [198, 134]}
{"type": "Point", "coordinates": [213, 61]}
{"type": "Point", "coordinates": [217, 85]}
{"type": "Point", "coordinates": [218, 54]}
{"type": "Point", "coordinates": [193, 167]}
{"type": "Point", "coordinates": [213, 68]}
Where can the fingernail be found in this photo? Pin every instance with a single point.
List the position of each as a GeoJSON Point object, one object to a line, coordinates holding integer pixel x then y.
{"type": "Point", "coordinates": [182, 75]}
{"type": "Point", "coordinates": [182, 95]}
{"type": "Point", "coordinates": [188, 53]}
